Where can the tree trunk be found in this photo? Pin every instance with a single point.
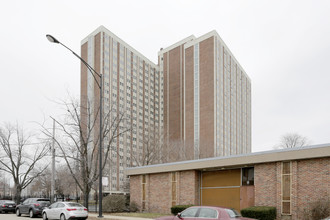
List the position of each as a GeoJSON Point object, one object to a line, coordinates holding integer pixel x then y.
{"type": "Point", "coordinates": [18, 193]}
{"type": "Point", "coordinates": [86, 196]}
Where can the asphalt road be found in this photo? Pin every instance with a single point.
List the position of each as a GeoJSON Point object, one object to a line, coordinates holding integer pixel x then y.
{"type": "Point", "coordinates": [12, 216]}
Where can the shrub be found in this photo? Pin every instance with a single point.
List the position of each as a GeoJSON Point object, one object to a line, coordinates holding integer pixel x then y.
{"type": "Point", "coordinates": [179, 208]}
{"type": "Point", "coordinates": [133, 207]}
{"type": "Point", "coordinates": [114, 203]}
{"type": "Point", "coordinates": [260, 212]}
{"type": "Point", "coordinates": [317, 210]}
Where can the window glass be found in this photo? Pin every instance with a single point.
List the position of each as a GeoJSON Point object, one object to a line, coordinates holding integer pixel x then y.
{"type": "Point", "coordinates": [208, 213]}
{"type": "Point", "coordinates": [286, 208]}
{"type": "Point", "coordinates": [45, 200]}
{"type": "Point", "coordinates": [248, 176]}
{"type": "Point", "coordinates": [9, 202]}
{"type": "Point", "coordinates": [53, 205]}
{"type": "Point", "coordinates": [286, 168]}
{"type": "Point", "coordinates": [286, 187]}
{"type": "Point", "coordinates": [191, 212]}
{"type": "Point", "coordinates": [232, 213]}
{"type": "Point", "coordinates": [60, 205]}
{"type": "Point", "coordinates": [74, 204]}
{"type": "Point", "coordinates": [26, 201]}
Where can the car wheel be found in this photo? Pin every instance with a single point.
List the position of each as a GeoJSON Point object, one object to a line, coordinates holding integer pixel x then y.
{"type": "Point", "coordinates": [63, 217]}
{"type": "Point", "coordinates": [44, 216]}
{"type": "Point", "coordinates": [31, 213]}
{"type": "Point", "coordinates": [18, 213]}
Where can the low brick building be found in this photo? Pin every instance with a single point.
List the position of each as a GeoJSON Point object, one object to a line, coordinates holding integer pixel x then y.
{"type": "Point", "coordinates": [288, 179]}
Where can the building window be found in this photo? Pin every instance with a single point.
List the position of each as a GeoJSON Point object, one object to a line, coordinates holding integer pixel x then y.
{"type": "Point", "coordinates": [144, 182]}
{"type": "Point", "coordinates": [248, 176]}
{"type": "Point", "coordinates": [286, 188]}
{"type": "Point", "coordinates": [173, 177]}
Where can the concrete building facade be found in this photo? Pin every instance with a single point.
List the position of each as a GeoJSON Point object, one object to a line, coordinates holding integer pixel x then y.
{"type": "Point", "coordinates": [290, 180]}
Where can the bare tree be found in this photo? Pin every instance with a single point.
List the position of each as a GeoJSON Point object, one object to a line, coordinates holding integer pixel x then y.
{"type": "Point", "coordinates": [41, 186]}
{"type": "Point", "coordinates": [78, 140]}
{"type": "Point", "coordinates": [66, 184]}
{"type": "Point", "coordinates": [150, 153]}
{"type": "Point", "coordinates": [21, 158]}
{"type": "Point", "coordinates": [291, 140]}
{"type": "Point", "coordinates": [159, 149]}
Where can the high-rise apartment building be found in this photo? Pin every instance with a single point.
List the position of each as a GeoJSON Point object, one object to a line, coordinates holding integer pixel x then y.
{"type": "Point", "coordinates": [131, 86]}
{"type": "Point", "coordinates": [196, 99]}
{"type": "Point", "coordinates": [207, 98]}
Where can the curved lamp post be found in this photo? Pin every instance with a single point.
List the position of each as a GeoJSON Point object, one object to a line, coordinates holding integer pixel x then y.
{"type": "Point", "coordinates": [99, 84]}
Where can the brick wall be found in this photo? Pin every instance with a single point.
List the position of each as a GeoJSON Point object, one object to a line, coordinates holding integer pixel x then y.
{"type": "Point", "coordinates": [313, 182]}
{"type": "Point", "coordinates": [188, 188]}
{"type": "Point", "coordinates": [136, 190]}
{"type": "Point", "coordinates": [310, 183]}
{"type": "Point", "coordinates": [159, 190]}
{"type": "Point", "coordinates": [265, 181]}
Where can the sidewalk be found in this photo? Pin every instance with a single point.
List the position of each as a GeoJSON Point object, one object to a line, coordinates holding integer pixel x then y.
{"type": "Point", "coordinates": [113, 217]}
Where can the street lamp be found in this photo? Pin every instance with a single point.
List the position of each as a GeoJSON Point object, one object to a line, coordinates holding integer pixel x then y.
{"type": "Point", "coordinates": [93, 72]}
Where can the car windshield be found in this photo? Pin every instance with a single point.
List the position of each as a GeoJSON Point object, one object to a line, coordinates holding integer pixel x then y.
{"type": "Point", "coordinates": [233, 213]}
{"type": "Point", "coordinates": [9, 202]}
{"type": "Point", "coordinates": [73, 204]}
{"type": "Point", "coordinates": [43, 200]}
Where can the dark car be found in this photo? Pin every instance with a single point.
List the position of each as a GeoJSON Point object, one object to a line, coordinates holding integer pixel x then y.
{"type": "Point", "coordinates": [206, 213]}
{"type": "Point", "coordinates": [7, 206]}
{"type": "Point", "coordinates": [32, 206]}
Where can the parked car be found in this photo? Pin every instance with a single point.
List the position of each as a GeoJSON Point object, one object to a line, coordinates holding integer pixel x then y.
{"type": "Point", "coordinates": [32, 206]}
{"type": "Point", "coordinates": [7, 206]}
{"type": "Point", "coordinates": [65, 210]}
{"type": "Point", "coordinates": [206, 213]}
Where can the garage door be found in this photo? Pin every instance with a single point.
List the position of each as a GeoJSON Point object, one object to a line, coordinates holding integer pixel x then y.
{"type": "Point", "coordinates": [221, 188]}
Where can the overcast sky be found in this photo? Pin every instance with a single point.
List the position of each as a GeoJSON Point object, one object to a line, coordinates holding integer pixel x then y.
{"type": "Point", "coordinates": [284, 47]}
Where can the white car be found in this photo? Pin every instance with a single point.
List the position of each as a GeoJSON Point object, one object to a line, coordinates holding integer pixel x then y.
{"type": "Point", "coordinates": [64, 211]}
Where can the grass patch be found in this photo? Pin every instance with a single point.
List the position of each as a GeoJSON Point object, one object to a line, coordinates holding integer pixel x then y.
{"type": "Point", "coordinates": [133, 214]}
{"type": "Point", "coordinates": [140, 214]}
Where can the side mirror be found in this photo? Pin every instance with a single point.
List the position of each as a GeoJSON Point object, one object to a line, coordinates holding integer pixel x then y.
{"type": "Point", "coordinates": [179, 215]}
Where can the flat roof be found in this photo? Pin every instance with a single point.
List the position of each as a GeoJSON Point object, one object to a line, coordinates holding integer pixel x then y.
{"type": "Point", "coordinates": [297, 153]}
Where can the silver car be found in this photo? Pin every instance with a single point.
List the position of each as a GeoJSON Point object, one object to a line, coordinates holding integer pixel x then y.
{"type": "Point", "coordinates": [64, 211]}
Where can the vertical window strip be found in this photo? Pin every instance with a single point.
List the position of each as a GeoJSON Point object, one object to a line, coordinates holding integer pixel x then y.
{"type": "Point", "coordinates": [174, 193]}
{"type": "Point", "coordinates": [286, 187]}
{"type": "Point", "coordinates": [144, 181]}
{"type": "Point", "coordinates": [218, 111]}
{"type": "Point", "coordinates": [90, 83]}
{"type": "Point", "coordinates": [196, 101]}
